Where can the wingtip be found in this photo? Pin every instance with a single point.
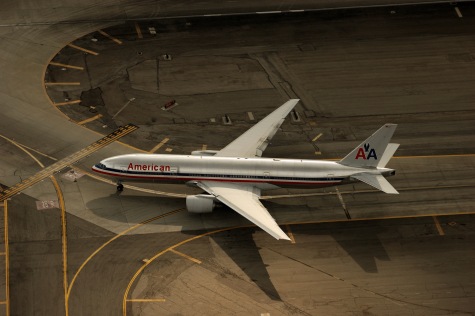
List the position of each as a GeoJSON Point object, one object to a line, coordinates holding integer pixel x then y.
{"type": "Point", "coordinates": [283, 236]}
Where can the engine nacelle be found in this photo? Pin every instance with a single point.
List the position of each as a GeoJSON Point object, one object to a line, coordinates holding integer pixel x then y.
{"type": "Point", "coordinates": [200, 204]}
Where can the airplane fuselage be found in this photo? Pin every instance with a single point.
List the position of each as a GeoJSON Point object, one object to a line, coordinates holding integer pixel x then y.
{"type": "Point", "coordinates": [265, 173]}
{"type": "Point", "coordinates": [237, 174]}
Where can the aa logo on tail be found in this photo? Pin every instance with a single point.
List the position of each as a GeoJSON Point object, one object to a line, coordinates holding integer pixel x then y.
{"type": "Point", "coordinates": [366, 153]}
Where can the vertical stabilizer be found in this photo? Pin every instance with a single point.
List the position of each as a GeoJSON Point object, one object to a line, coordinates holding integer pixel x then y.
{"type": "Point", "coordinates": [388, 154]}
{"type": "Point", "coordinates": [370, 152]}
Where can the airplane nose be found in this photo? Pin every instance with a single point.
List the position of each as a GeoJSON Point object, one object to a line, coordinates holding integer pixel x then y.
{"type": "Point", "coordinates": [101, 165]}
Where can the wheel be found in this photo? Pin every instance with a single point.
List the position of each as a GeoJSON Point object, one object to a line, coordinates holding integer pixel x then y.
{"type": "Point", "coordinates": [120, 187]}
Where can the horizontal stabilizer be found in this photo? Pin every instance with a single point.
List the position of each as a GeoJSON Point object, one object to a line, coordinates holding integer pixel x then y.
{"type": "Point", "coordinates": [376, 181]}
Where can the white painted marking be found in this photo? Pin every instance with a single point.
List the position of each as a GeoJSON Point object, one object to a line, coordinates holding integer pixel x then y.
{"type": "Point", "coordinates": [317, 137]}
{"type": "Point", "coordinates": [251, 116]}
{"type": "Point", "coordinates": [45, 205]}
{"type": "Point", "coordinates": [457, 10]}
{"type": "Point", "coordinates": [268, 12]}
{"type": "Point", "coordinates": [122, 108]}
{"type": "Point", "coordinates": [295, 11]}
{"type": "Point", "coordinates": [154, 149]}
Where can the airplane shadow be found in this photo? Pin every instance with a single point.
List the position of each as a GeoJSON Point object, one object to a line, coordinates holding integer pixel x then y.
{"type": "Point", "coordinates": [240, 247]}
{"type": "Point", "coordinates": [239, 244]}
{"type": "Point", "coordinates": [364, 249]}
{"type": "Point", "coordinates": [359, 239]}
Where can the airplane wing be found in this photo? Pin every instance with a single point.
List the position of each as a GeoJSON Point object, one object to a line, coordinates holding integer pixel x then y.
{"type": "Point", "coordinates": [244, 199]}
{"type": "Point", "coordinates": [254, 141]}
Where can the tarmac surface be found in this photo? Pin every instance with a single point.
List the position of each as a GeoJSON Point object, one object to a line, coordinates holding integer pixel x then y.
{"type": "Point", "coordinates": [73, 246]}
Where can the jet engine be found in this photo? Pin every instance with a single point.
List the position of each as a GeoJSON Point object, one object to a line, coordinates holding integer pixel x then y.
{"type": "Point", "coordinates": [200, 203]}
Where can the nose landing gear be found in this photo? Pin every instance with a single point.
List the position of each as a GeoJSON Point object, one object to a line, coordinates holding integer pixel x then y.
{"type": "Point", "coordinates": [120, 187]}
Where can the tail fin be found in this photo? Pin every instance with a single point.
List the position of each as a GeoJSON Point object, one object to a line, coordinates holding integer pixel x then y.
{"type": "Point", "coordinates": [387, 155]}
{"type": "Point", "coordinates": [372, 152]}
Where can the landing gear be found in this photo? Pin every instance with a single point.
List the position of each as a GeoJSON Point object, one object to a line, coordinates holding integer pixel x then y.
{"type": "Point", "coordinates": [120, 187]}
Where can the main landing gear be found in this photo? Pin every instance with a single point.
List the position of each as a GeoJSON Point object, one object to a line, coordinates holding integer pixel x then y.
{"type": "Point", "coordinates": [120, 187]}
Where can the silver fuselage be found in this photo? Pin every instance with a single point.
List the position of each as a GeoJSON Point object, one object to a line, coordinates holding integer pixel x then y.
{"type": "Point", "coordinates": [264, 173]}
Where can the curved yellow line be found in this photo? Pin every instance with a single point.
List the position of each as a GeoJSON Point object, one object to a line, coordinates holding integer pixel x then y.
{"type": "Point", "coordinates": [21, 147]}
{"type": "Point", "coordinates": [124, 301]}
{"type": "Point", "coordinates": [64, 239]}
{"type": "Point", "coordinates": [106, 180]}
{"type": "Point", "coordinates": [67, 117]}
{"type": "Point", "coordinates": [7, 273]}
{"type": "Point", "coordinates": [111, 240]}
{"type": "Point", "coordinates": [140, 270]}
{"type": "Point", "coordinates": [7, 258]}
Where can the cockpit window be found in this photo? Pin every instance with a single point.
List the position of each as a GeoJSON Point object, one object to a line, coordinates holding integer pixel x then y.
{"type": "Point", "coordinates": [101, 166]}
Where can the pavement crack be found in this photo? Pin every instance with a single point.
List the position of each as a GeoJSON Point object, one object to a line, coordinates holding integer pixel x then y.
{"type": "Point", "coordinates": [392, 299]}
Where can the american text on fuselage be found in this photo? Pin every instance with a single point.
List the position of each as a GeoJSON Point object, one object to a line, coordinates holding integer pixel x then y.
{"type": "Point", "coordinates": [148, 167]}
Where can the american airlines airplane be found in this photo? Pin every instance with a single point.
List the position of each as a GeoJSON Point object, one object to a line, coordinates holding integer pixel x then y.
{"type": "Point", "coordinates": [236, 174]}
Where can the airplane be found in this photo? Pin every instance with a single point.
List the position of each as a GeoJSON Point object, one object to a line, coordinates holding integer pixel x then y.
{"type": "Point", "coordinates": [237, 174]}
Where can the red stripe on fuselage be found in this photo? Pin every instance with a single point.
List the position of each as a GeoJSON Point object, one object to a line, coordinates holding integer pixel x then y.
{"type": "Point", "coordinates": [122, 176]}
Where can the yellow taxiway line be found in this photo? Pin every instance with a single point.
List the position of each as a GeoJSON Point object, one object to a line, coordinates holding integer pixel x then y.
{"type": "Point", "coordinates": [62, 83]}
{"type": "Point", "coordinates": [64, 240]}
{"type": "Point", "coordinates": [418, 157]}
{"type": "Point", "coordinates": [137, 29]}
{"type": "Point", "coordinates": [455, 186]}
{"type": "Point", "coordinates": [7, 259]}
{"type": "Point", "coordinates": [163, 142]}
{"type": "Point", "coordinates": [437, 225]}
{"type": "Point", "coordinates": [69, 160]}
{"type": "Point", "coordinates": [63, 221]}
{"type": "Point", "coordinates": [91, 119]}
{"type": "Point", "coordinates": [434, 156]}
{"type": "Point", "coordinates": [147, 300]}
{"type": "Point", "coordinates": [66, 66]}
{"type": "Point", "coordinates": [83, 49]}
{"type": "Point", "coordinates": [67, 102]}
{"type": "Point", "coordinates": [71, 284]}
{"type": "Point", "coordinates": [290, 234]}
{"type": "Point", "coordinates": [130, 187]}
{"type": "Point", "coordinates": [181, 254]}
{"type": "Point", "coordinates": [142, 268]}
{"type": "Point", "coordinates": [317, 137]}
{"type": "Point", "coordinates": [118, 41]}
